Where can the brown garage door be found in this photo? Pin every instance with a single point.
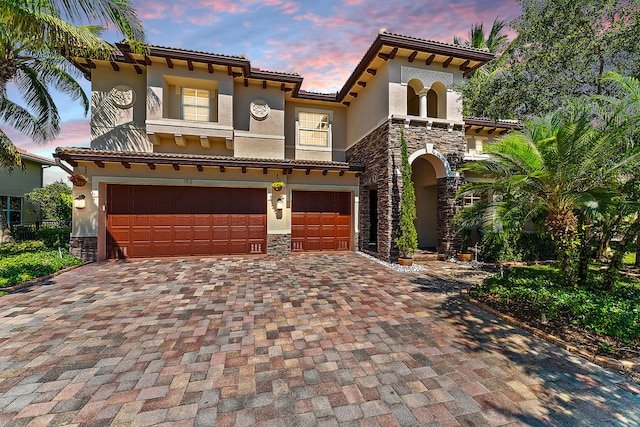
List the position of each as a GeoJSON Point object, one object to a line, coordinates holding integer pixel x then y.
{"type": "Point", "coordinates": [150, 221]}
{"type": "Point", "coordinates": [320, 221]}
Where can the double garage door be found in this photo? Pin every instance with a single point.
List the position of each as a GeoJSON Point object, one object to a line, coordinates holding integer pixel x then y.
{"type": "Point", "coordinates": [156, 221]}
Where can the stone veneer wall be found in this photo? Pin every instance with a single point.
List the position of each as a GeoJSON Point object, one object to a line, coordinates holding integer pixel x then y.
{"type": "Point", "coordinates": [448, 241]}
{"type": "Point", "coordinates": [278, 244]}
{"type": "Point", "coordinates": [85, 248]}
{"type": "Point", "coordinates": [380, 153]}
{"type": "Point", "coordinates": [373, 152]}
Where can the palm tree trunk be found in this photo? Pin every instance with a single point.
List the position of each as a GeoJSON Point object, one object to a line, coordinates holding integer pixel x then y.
{"type": "Point", "coordinates": [584, 253]}
{"type": "Point", "coordinates": [615, 265]}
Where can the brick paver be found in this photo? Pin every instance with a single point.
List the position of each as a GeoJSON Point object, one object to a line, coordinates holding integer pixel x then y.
{"type": "Point", "coordinates": [305, 340]}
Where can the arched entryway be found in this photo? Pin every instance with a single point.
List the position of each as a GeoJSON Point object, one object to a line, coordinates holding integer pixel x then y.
{"type": "Point", "coordinates": [428, 168]}
{"type": "Point", "coordinates": [426, 189]}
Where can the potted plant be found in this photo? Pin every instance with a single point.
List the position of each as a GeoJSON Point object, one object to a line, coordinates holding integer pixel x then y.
{"type": "Point", "coordinates": [78, 180]}
{"type": "Point", "coordinates": [277, 185]}
{"type": "Point", "coordinates": [407, 236]}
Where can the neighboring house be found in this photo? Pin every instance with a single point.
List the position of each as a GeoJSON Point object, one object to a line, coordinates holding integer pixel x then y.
{"type": "Point", "coordinates": [187, 144]}
{"type": "Point", "coordinates": [14, 208]}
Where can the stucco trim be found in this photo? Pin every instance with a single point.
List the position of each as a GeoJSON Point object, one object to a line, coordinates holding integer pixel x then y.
{"type": "Point", "coordinates": [443, 168]}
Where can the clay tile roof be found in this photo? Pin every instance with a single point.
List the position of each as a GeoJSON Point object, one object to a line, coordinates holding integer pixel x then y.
{"type": "Point", "coordinates": [34, 157]}
{"type": "Point", "coordinates": [456, 46]}
{"type": "Point", "coordinates": [88, 154]}
{"type": "Point", "coordinates": [201, 52]}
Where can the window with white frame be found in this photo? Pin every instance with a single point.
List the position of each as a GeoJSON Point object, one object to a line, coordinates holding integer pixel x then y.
{"type": "Point", "coordinates": [314, 129]}
{"type": "Point", "coordinates": [10, 210]}
{"type": "Point", "coordinates": [471, 199]}
{"type": "Point", "coordinates": [195, 104]}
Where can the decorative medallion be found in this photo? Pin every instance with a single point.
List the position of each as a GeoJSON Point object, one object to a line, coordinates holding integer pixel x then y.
{"type": "Point", "coordinates": [123, 96]}
{"type": "Point", "coordinates": [259, 109]}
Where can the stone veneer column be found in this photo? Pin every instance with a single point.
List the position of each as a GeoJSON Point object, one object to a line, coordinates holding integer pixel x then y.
{"type": "Point", "coordinates": [85, 248]}
{"type": "Point", "coordinates": [372, 151]}
{"type": "Point", "coordinates": [278, 244]}
{"type": "Point", "coordinates": [448, 241]}
{"type": "Point", "coordinates": [380, 153]}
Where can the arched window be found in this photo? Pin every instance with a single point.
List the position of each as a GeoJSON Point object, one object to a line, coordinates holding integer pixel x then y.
{"type": "Point", "coordinates": [414, 86]}
{"type": "Point", "coordinates": [437, 101]}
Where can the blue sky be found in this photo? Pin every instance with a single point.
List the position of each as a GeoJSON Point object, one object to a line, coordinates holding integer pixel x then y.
{"type": "Point", "coordinates": [322, 40]}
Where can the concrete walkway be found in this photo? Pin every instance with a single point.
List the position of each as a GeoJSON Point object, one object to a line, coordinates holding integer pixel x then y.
{"type": "Point", "coordinates": [306, 340]}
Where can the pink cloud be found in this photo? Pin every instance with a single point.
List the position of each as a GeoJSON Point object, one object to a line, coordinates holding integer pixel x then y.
{"type": "Point", "coordinates": [73, 133]}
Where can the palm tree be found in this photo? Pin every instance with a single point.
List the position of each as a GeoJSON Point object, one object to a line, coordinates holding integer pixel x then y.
{"type": "Point", "coordinates": [558, 173]}
{"type": "Point", "coordinates": [496, 42]}
{"type": "Point", "coordinates": [36, 46]}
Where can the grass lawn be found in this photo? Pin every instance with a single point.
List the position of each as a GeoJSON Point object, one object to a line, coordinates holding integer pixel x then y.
{"type": "Point", "coordinates": [603, 322]}
{"type": "Point", "coordinates": [26, 261]}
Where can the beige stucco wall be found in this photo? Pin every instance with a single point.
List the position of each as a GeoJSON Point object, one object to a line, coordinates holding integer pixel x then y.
{"type": "Point", "coordinates": [338, 131]}
{"type": "Point", "coordinates": [126, 130]}
{"type": "Point", "coordinates": [370, 108]}
{"type": "Point", "coordinates": [258, 138]}
{"type": "Point", "coordinates": [398, 89]}
{"type": "Point", "coordinates": [91, 221]}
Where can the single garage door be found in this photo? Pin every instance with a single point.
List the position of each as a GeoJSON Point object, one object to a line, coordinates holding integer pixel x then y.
{"type": "Point", "coordinates": [156, 221]}
{"type": "Point", "coordinates": [320, 221]}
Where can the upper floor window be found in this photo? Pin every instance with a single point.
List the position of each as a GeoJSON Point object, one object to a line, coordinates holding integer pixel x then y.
{"type": "Point", "coordinates": [314, 129]}
{"type": "Point", "coordinates": [195, 104]}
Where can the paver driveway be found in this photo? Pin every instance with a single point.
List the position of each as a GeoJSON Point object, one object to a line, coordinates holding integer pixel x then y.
{"type": "Point", "coordinates": [305, 340]}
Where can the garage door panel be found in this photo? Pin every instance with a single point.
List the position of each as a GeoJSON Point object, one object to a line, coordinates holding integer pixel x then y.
{"type": "Point", "coordinates": [201, 220]}
{"type": "Point", "coordinates": [181, 220]}
{"type": "Point", "coordinates": [162, 220]}
{"type": "Point", "coordinates": [119, 220]}
{"type": "Point", "coordinates": [239, 220]}
{"type": "Point", "coordinates": [321, 221]}
{"type": "Point", "coordinates": [140, 234]}
{"type": "Point", "coordinates": [139, 250]}
{"type": "Point", "coordinates": [255, 233]}
{"type": "Point", "coordinates": [182, 233]}
{"type": "Point", "coordinates": [202, 248]}
{"type": "Point", "coordinates": [220, 220]}
{"type": "Point", "coordinates": [147, 221]}
{"type": "Point", "coordinates": [140, 220]}
{"type": "Point", "coordinates": [161, 234]}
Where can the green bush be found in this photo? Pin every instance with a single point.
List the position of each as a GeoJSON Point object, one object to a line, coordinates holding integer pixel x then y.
{"type": "Point", "coordinates": [54, 237]}
{"type": "Point", "coordinates": [21, 267]}
{"type": "Point", "coordinates": [20, 247]}
{"type": "Point", "coordinates": [511, 247]}
{"type": "Point", "coordinates": [615, 313]}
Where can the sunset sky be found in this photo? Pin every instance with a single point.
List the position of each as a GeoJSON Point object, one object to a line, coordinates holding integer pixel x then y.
{"type": "Point", "coordinates": [321, 40]}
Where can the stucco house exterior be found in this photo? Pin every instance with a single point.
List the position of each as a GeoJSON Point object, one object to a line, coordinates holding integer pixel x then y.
{"type": "Point", "coordinates": [186, 145]}
{"type": "Point", "coordinates": [14, 208]}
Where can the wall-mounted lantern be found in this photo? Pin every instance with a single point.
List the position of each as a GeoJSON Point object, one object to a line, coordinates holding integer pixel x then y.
{"type": "Point", "coordinates": [280, 203]}
{"type": "Point", "coordinates": [80, 202]}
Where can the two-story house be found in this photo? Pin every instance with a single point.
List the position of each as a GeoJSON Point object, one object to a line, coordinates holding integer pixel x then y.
{"type": "Point", "coordinates": [186, 145]}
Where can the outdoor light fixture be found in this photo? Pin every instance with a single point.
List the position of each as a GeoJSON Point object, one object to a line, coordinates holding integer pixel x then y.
{"type": "Point", "coordinates": [79, 202]}
{"type": "Point", "coordinates": [280, 203]}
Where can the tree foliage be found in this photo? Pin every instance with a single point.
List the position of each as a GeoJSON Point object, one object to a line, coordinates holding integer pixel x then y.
{"type": "Point", "coordinates": [38, 40]}
{"type": "Point", "coordinates": [563, 172]}
{"type": "Point", "coordinates": [407, 236]}
{"type": "Point", "coordinates": [495, 42]}
{"type": "Point", "coordinates": [55, 201]}
{"type": "Point", "coordinates": [562, 51]}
